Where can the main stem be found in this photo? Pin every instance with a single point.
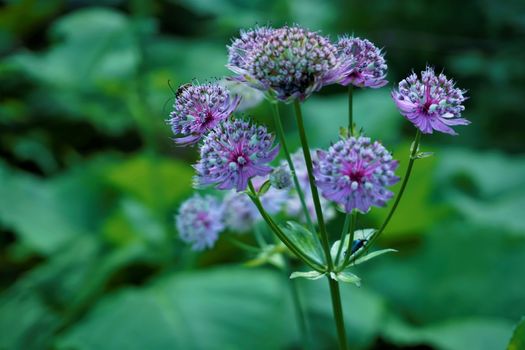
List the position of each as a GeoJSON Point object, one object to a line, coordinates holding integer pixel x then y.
{"type": "Point", "coordinates": [282, 139]}
{"type": "Point", "coordinates": [334, 286]}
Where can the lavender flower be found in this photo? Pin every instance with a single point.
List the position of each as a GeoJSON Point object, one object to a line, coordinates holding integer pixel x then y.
{"type": "Point", "coordinates": [432, 103]}
{"type": "Point", "coordinates": [290, 62]}
{"type": "Point", "coordinates": [355, 172]}
{"type": "Point", "coordinates": [240, 214]}
{"type": "Point", "coordinates": [293, 206]}
{"type": "Point", "coordinates": [367, 62]}
{"type": "Point", "coordinates": [198, 109]}
{"type": "Point", "coordinates": [234, 152]}
{"type": "Point", "coordinates": [199, 221]}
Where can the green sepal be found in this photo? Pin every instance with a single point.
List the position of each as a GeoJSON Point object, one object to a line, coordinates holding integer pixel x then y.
{"type": "Point", "coordinates": [264, 188]}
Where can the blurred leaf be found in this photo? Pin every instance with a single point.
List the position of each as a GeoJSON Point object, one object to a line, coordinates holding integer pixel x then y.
{"type": "Point", "coordinates": [461, 334]}
{"type": "Point", "coordinates": [310, 275]}
{"type": "Point", "coordinates": [372, 255]}
{"type": "Point", "coordinates": [200, 310]}
{"type": "Point", "coordinates": [517, 341]}
{"type": "Point", "coordinates": [346, 277]}
{"type": "Point", "coordinates": [157, 182]}
{"type": "Point", "coordinates": [305, 240]}
{"type": "Point", "coordinates": [453, 273]}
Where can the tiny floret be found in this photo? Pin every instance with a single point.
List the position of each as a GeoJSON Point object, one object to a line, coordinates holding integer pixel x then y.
{"type": "Point", "coordinates": [234, 152]}
{"type": "Point", "coordinates": [355, 173]}
{"type": "Point", "coordinates": [198, 109]}
{"type": "Point", "coordinates": [431, 103]}
{"type": "Point", "coordinates": [288, 63]}
{"type": "Point", "coordinates": [368, 65]}
{"type": "Point", "coordinates": [199, 221]}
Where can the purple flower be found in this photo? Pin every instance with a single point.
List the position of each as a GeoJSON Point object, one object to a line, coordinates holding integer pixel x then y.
{"type": "Point", "coordinates": [234, 152]}
{"type": "Point", "coordinates": [432, 103]}
{"type": "Point", "coordinates": [355, 172]}
{"type": "Point", "coordinates": [199, 221]}
{"type": "Point", "coordinates": [293, 206]}
{"type": "Point", "coordinates": [198, 109]}
{"type": "Point", "coordinates": [289, 63]}
{"type": "Point", "coordinates": [240, 214]}
{"type": "Point", "coordinates": [367, 62]}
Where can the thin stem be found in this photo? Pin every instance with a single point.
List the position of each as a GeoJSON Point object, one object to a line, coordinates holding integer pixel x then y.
{"type": "Point", "coordinates": [299, 311]}
{"type": "Point", "coordinates": [415, 147]}
{"type": "Point", "coordinates": [282, 139]}
{"type": "Point", "coordinates": [338, 312]}
{"type": "Point", "coordinates": [344, 232]}
{"type": "Point", "coordinates": [350, 239]}
{"type": "Point", "coordinates": [351, 109]}
{"type": "Point", "coordinates": [334, 286]}
{"type": "Point", "coordinates": [275, 228]}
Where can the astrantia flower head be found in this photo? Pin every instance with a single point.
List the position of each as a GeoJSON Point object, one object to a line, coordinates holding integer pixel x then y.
{"type": "Point", "coordinates": [198, 109]}
{"type": "Point", "coordinates": [289, 63]}
{"type": "Point", "coordinates": [280, 178]}
{"type": "Point", "coordinates": [240, 214]}
{"type": "Point", "coordinates": [367, 62]}
{"type": "Point", "coordinates": [355, 173]}
{"type": "Point", "coordinates": [293, 206]}
{"type": "Point", "coordinates": [431, 103]}
{"type": "Point", "coordinates": [234, 152]}
{"type": "Point", "coordinates": [199, 221]}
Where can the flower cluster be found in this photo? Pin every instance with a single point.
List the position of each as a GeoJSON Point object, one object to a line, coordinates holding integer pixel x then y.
{"type": "Point", "coordinates": [367, 62]}
{"type": "Point", "coordinates": [430, 103]}
{"type": "Point", "coordinates": [199, 221]}
{"type": "Point", "coordinates": [290, 62]}
{"type": "Point", "coordinates": [198, 109]}
{"type": "Point", "coordinates": [355, 173]}
{"type": "Point", "coordinates": [234, 152]}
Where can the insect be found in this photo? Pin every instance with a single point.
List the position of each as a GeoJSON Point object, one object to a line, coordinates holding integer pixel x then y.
{"type": "Point", "coordinates": [361, 239]}
{"type": "Point", "coordinates": [181, 89]}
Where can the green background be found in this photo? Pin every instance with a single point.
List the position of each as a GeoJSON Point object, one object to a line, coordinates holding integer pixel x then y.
{"type": "Point", "coordinates": [90, 180]}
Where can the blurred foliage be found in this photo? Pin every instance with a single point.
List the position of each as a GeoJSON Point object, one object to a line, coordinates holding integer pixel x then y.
{"type": "Point", "coordinates": [89, 180]}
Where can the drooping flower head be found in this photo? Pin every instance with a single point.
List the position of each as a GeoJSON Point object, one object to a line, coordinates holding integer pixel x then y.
{"type": "Point", "coordinates": [293, 206]}
{"type": "Point", "coordinates": [289, 63]}
{"type": "Point", "coordinates": [234, 152]}
{"type": "Point", "coordinates": [198, 109]}
{"type": "Point", "coordinates": [431, 103]}
{"type": "Point", "coordinates": [367, 62]}
{"type": "Point", "coordinates": [280, 178]}
{"type": "Point", "coordinates": [355, 172]}
{"type": "Point", "coordinates": [240, 214]}
{"type": "Point", "coordinates": [199, 221]}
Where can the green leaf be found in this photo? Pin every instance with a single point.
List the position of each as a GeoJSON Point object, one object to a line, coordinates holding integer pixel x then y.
{"type": "Point", "coordinates": [456, 334]}
{"type": "Point", "coordinates": [305, 240]}
{"type": "Point", "coordinates": [517, 342]}
{"type": "Point", "coordinates": [311, 275]}
{"type": "Point", "coordinates": [197, 310]}
{"type": "Point", "coordinates": [264, 188]}
{"type": "Point", "coordinates": [346, 277]}
{"type": "Point", "coordinates": [373, 255]}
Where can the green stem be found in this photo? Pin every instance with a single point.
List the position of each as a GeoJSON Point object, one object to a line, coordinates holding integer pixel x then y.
{"type": "Point", "coordinates": [350, 109]}
{"type": "Point", "coordinates": [350, 240]}
{"type": "Point", "coordinates": [334, 286]}
{"type": "Point", "coordinates": [413, 153]}
{"type": "Point", "coordinates": [344, 232]}
{"type": "Point", "coordinates": [338, 312]}
{"type": "Point", "coordinates": [282, 139]}
{"type": "Point", "coordinates": [275, 228]}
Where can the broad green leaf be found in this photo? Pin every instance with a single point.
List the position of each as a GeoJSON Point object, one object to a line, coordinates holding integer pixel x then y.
{"type": "Point", "coordinates": [228, 308]}
{"type": "Point", "coordinates": [373, 255]}
{"type": "Point", "coordinates": [305, 240]}
{"type": "Point", "coordinates": [517, 342]}
{"type": "Point", "coordinates": [456, 334]}
{"type": "Point", "coordinates": [310, 275]}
